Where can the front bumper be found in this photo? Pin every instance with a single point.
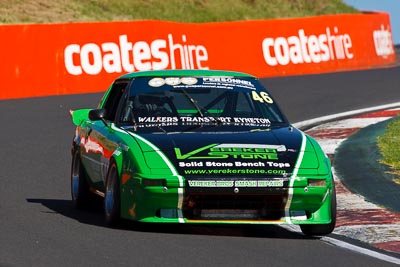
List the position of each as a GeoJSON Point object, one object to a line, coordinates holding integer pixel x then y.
{"type": "Point", "coordinates": [164, 204]}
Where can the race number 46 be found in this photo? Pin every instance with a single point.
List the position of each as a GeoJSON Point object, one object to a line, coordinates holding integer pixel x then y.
{"type": "Point", "coordinates": [262, 97]}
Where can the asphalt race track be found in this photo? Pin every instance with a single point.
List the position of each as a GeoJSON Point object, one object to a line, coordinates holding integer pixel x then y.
{"type": "Point", "coordinates": [38, 226]}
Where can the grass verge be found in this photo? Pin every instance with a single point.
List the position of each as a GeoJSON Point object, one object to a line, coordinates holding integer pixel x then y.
{"type": "Point", "coordinates": [48, 11]}
{"type": "Point", "coordinates": [389, 146]}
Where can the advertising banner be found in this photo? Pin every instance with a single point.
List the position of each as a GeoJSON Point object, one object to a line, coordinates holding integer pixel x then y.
{"type": "Point", "coordinates": [68, 58]}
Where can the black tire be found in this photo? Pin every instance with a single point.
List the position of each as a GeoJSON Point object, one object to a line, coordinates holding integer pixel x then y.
{"type": "Point", "coordinates": [322, 229]}
{"type": "Point", "coordinates": [79, 184]}
{"type": "Point", "coordinates": [112, 199]}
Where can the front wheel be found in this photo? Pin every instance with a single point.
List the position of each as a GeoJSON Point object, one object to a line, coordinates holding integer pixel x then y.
{"type": "Point", "coordinates": [79, 184]}
{"type": "Point", "coordinates": [112, 201]}
{"type": "Point", "coordinates": [322, 229]}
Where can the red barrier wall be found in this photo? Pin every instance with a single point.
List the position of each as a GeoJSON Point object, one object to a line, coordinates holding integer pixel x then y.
{"type": "Point", "coordinates": [52, 59]}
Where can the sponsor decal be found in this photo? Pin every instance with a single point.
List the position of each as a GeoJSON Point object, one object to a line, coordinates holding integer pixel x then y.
{"type": "Point", "coordinates": [233, 159]}
{"type": "Point", "coordinates": [307, 48]}
{"type": "Point", "coordinates": [233, 164]}
{"type": "Point", "coordinates": [128, 56]}
{"type": "Point", "coordinates": [237, 183]}
{"type": "Point", "coordinates": [189, 120]}
{"type": "Point", "coordinates": [225, 83]}
{"type": "Point", "coordinates": [188, 80]}
{"type": "Point", "coordinates": [236, 171]}
{"type": "Point", "coordinates": [157, 82]}
{"type": "Point", "coordinates": [207, 82]}
{"type": "Point", "coordinates": [383, 41]}
{"type": "Point", "coordinates": [172, 81]}
{"type": "Point", "coordinates": [229, 80]}
{"type": "Point", "coordinates": [235, 151]}
{"type": "Point", "coordinates": [213, 82]}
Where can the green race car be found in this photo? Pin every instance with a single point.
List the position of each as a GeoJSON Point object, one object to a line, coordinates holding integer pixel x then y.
{"type": "Point", "coordinates": [199, 146]}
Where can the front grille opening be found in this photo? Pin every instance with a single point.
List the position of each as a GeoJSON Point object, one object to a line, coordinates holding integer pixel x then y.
{"type": "Point", "coordinates": [234, 207]}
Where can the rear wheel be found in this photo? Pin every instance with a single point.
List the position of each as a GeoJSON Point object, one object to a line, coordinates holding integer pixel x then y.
{"type": "Point", "coordinates": [322, 229]}
{"type": "Point", "coordinates": [112, 201]}
{"type": "Point", "coordinates": [79, 185]}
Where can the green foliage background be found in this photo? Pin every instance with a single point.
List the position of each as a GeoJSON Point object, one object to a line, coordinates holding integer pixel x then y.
{"type": "Point", "coordinates": [45, 11]}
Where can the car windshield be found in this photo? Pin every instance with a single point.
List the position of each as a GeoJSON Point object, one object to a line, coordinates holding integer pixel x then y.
{"type": "Point", "coordinates": [199, 100]}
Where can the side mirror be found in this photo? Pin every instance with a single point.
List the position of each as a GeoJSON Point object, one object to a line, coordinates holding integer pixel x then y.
{"type": "Point", "coordinates": [97, 114]}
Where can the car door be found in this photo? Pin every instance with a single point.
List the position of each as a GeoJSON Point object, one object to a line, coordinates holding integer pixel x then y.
{"type": "Point", "coordinates": [100, 141]}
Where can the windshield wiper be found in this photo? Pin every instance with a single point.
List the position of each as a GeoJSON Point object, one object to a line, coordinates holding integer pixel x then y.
{"type": "Point", "coordinates": [200, 109]}
{"type": "Point", "coordinates": [191, 100]}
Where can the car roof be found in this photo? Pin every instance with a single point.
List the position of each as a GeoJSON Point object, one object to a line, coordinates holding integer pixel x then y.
{"type": "Point", "coordinates": [196, 73]}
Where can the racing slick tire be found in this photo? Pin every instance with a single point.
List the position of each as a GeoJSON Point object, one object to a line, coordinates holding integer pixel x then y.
{"type": "Point", "coordinates": [112, 199]}
{"type": "Point", "coordinates": [79, 184]}
{"type": "Point", "coordinates": [322, 229]}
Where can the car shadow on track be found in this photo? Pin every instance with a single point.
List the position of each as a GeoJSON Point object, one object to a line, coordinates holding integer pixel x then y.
{"type": "Point", "coordinates": [93, 215]}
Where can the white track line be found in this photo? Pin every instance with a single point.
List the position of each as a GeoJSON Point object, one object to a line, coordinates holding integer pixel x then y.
{"type": "Point", "coordinates": [348, 246]}
{"type": "Point", "coordinates": [320, 120]}
{"type": "Point", "coordinates": [374, 254]}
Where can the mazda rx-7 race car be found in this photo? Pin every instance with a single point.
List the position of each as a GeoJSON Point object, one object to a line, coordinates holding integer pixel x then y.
{"type": "Point", "coordinates": [191, 146]}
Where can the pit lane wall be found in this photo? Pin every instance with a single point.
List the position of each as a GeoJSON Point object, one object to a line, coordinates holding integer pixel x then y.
{"type": "Point", "coordinates": [67, 58]}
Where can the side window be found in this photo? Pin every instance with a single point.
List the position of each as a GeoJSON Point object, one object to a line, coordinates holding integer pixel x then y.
{"type": "Point", "coordinates": [113, 99]}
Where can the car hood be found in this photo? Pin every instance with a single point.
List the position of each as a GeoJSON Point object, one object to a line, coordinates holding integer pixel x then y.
{"type": "Point", "coordinates": [272, 152]}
